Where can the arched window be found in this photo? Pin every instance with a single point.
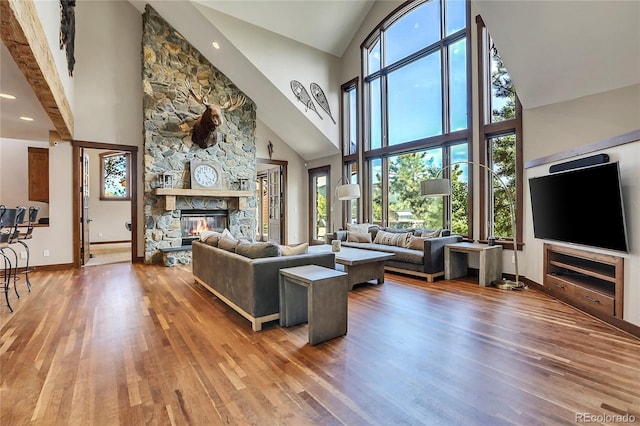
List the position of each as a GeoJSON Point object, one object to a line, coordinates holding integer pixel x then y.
{"type": "Point", "coordinates": [416, 112]}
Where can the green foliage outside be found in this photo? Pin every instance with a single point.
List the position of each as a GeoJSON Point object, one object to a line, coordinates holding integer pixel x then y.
{"type": "Point", "coordinates": [406, 171]}
{"type": "Point", "coordinates": [503, 148]}
{"type": "Point", "coordinates": [115, 175]}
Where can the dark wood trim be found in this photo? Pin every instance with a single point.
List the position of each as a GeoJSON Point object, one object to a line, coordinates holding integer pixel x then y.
{"type": "Point", "coordinates": [311, 173]}
{"type": "Point", "coordinates": [489, 130]}
{"type": "Point", "coordinates": [110, 242]}
{"type": "Point", "coordinates": [102, 156]}
{"type": "Point", "coordinates": [51, 267]}
{"type": "Point", "coordinates": [104, 145]}
{"type": "Point", "coordinates": [284, 170]}
{"type": "Point", "coordinates": [77, 182]}
{"type": "Point", "coordinates": [620, 324]}
{"type": "Point", "coordinates": [611, 142]}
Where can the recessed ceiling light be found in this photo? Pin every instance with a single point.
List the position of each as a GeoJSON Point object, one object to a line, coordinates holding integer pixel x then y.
{"type": "Point", "coordinates": [26, 118]}
{"type": "Point", "coordinates": [7, 96]}
{"type": "Point", "coordinates": [215, 45]}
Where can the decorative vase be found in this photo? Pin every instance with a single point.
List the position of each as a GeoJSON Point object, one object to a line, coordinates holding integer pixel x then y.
{"type": "Point", "coordinates": [335, 245]}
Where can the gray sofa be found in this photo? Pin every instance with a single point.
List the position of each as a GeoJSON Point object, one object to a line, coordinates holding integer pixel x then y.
{"type": "Point", "coordinates": [249, 286]}
{"type": "Point", "coordinates": [427, 263]}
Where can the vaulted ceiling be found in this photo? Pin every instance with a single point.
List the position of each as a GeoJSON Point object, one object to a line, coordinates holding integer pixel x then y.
{"type": "Point", "coordinates": [554, 50]}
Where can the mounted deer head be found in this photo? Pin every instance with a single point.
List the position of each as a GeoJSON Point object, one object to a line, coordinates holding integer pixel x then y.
{"type": "Point", "coordinates": [203, 131]}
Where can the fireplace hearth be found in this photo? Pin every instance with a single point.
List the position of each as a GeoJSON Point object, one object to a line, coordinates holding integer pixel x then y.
{"type": "Point", "coordinates": [193, 222]}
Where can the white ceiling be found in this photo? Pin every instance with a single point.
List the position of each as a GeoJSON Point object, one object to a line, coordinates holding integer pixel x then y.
{"type": "Point", "coordinates": [325, 25]}
{"type": "Point", "coordinates": [26, 104]}
{"type": "Point", "coordinates": [561, 50]}
{"type": "Point", "coordinates": [554, 50]}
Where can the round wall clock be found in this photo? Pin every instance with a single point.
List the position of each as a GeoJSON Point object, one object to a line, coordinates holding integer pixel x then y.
{"type": "Point", "coordinates": [205, 175]}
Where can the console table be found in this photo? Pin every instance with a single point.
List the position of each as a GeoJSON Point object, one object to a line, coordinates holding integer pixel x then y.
{"type": "Point", "coordinates": [316, 295]}
{"type": "Point", "coordinates": [456, 261]}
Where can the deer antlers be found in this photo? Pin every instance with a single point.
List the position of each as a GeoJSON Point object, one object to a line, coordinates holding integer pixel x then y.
{"type": "Point", "coordinates": [231, 104]}
{"type": "Point", "coordinates": [203, 132]}
{"type": "Point", "coordinates": [199, 97]}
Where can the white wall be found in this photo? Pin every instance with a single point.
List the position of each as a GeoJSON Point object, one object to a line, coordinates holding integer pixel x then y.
{"type": "Point", "coordinates": [108, 83]}
{"type": "Point", "coordinates": [573, 124]}
{"type": "Point", "coordinates": [14, 176]}
{"type": "Point", "coordinates": [108, 218]}
{"type": "Point", "coordinates": [57, 237]}
{"type": "Point", "coordinates": [49, 13]}
{"type": "Point", "coordinates": [105, 94]}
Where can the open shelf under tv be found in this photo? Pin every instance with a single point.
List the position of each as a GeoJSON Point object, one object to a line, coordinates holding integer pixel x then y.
{"type": "Point", "coordinates": [593, 282]}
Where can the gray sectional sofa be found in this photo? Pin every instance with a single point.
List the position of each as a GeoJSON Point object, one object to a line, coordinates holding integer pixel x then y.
{"type": "Point", "coordinates": [248, 282]}
{"type": "Point", "coordinates": [427, 261]}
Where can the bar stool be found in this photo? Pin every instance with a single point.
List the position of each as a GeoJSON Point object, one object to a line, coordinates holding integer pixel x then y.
{"type": "Point", "coordinates": [22, 236]}
{"type": "Point", "coordinates": [9, 220]}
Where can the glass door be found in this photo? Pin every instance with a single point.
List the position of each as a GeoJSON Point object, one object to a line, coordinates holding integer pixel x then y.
{"type": "Point", "coordinates": [319, 202]}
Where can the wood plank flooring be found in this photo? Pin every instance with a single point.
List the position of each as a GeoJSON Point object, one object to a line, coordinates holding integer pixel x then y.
{"type": "Point", "coordinates": [130, 344]}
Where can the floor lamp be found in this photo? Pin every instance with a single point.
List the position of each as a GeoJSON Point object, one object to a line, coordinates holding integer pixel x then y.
{"type": "Point", "coordinates": [345, 192]}
{"type": "Point", "coordinates": [442, 187]}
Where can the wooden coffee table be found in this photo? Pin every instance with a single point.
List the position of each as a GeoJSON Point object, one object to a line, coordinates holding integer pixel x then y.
{"type": "Point", "coordinates": [359, 264]}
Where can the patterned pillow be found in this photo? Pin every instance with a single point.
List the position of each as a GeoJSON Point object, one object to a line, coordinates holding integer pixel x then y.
{"type": "Point", "coordinates": [293, 250]}
{"type": "Point", "coordinates": [361, 228]}
{"type": "Point", "coordinates": [392, 238]}
{"type": "Point", "coordinates": [357, 237]}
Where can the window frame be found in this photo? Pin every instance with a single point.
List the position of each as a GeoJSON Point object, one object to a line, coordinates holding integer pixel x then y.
{"type": "Point", "coordinates": [348, 158]}
{"type": "Point", "coordinates": [444, 140]}
{"type": "Point", "coordinates": [108, 154]}
{"type": "Point", "coordinates": [488, 130]}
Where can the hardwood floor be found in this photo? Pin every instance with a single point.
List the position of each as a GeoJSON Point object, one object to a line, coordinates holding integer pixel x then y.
{"type": "Point", "coordinates": [135, 344]}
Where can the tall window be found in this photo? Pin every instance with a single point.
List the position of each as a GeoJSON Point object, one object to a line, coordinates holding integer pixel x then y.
{"type": "Point", "coordinates": [416, 115]}
{"type": "Point", "coordinates": [319, 202]}
{"type": "Point", "coordinates": [501, 142]}
{"type": "Point", "coordinates": [349, 134]}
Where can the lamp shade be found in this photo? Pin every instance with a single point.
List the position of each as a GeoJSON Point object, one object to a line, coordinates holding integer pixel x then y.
{"type": "Point", "coordinates": [350, 191]}
{"type": "Point", "coordinates": [435, 187]}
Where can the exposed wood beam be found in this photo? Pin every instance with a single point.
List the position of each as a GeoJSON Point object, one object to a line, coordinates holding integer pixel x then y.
{"type": "Point", "coordinates": [25, 39]}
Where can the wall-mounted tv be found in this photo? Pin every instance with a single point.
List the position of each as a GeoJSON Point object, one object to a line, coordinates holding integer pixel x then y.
{"type": "Point", "coordinates": [582, 206]}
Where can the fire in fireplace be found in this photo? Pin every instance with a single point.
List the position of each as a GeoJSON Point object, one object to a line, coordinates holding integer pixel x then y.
{"type": "Point", "coordinates": [193, 222]}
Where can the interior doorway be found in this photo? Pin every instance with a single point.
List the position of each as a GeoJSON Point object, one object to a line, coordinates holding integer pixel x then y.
{"type": "Point", "coordinates": [271, 190]}
{"type": "Point", "coordinates": [105, 204]}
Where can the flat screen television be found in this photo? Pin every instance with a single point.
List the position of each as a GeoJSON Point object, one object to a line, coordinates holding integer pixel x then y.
{"type": "Point", "coordinates": [582, 206]}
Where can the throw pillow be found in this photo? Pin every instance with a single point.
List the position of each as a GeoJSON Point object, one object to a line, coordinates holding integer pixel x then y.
{"type": "Point", "coordinates": [227, 234]}
{"type": "Point", "coordinates": [431, 234]}
{"type": "Point", "coordinates": [361, 228]}
{"type": "Point", "coordinates": [293, 250]}
{"type": "Point", "coordinates": [212, 240]}
{"type": "Point", "coordinates": [206, 234]}
{"type": "Point", "coordinates": [258, 250]}
{"type": "Point", "coordinates": [228, 244]}
{"type": "Point", "coordinates": [416, 243]}
{"type": "Point", "coordinates": [392, 238]}
{"type": "Point", "coordinates": [357, 237]}
{"type": "Point", "coordinates": [210, 237]}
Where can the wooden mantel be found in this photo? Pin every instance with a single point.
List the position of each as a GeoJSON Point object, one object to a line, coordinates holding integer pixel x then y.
{"type": "Point", "coordinates": [170, 195]}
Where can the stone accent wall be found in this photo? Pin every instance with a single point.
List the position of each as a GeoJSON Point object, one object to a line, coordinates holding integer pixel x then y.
{"type": "Point", "coordinates": [168, 62]}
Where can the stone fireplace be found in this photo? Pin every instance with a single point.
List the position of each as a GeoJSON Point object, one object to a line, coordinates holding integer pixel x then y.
{"type": "Point", "coordinates": [168, 62]}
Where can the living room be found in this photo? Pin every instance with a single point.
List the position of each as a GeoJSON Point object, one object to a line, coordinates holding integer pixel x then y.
{"type": "Point", "coordinates": [107, 105]}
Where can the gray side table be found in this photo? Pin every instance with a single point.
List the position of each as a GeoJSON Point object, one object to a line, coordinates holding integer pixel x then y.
{"type": "Point", "coordinates": [455, 261]}
{"type": "Point", "coordinates": [316, 295]}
